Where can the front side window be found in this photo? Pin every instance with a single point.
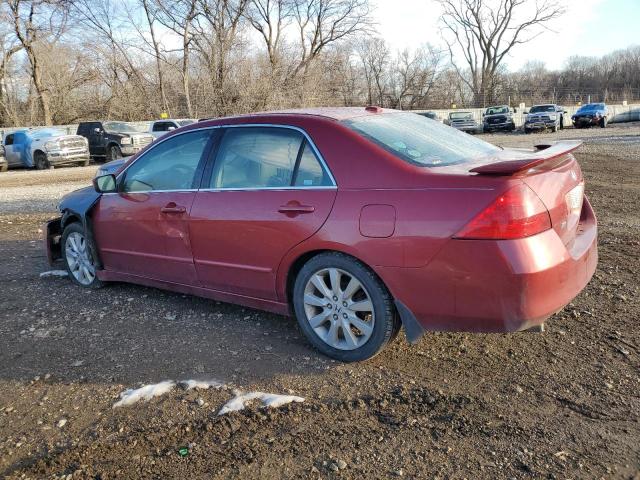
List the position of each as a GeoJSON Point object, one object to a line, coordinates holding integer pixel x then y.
{"type": "Point", "coordinates": [256, 157]}
{"type": "Point", "coordinates": [170, 165]}
{"type": "Point", "coordinates": [420, 141]}
{"type": "Point", "coordinates": [8, 139]}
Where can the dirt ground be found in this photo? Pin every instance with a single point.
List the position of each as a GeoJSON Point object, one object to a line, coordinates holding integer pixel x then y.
{"type": "Point", "coordinates": [563, 404]}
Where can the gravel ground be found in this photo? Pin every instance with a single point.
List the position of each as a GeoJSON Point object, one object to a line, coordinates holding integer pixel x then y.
{"type": "Point", "coordinates": [563, 404]}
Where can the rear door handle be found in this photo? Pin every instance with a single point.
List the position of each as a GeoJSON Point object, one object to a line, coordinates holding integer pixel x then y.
{"type": "Point", "coordinates": [297, 209]}
{"type": "Point", "coordinates": [173, 208]}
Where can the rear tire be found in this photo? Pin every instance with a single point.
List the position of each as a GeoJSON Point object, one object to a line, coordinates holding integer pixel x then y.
{"type": "Point", "coordinates": [84, 163]}
{"type": "Point", "coordinates": [79, 256]}
{"type": "Point", "coordinates": [343, 308]}
{"type": "Point", "coordinates": [40, 161]}
{"type": "Point", "coordinates": [527, 131]}
{"type": "Point", "coordinates": [554, 129]}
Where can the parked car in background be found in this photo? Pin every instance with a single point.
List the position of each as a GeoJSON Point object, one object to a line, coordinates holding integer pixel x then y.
{"type": "Point", "coordinates": [112, 140]}
{"type": "Point", "coordinates": [282, 211]}
{"type": "Point", "coordinates": [431, 115]}
{"type": "Point", "coordinates": [4, 166]}
{"type": "Point", "coordinates": [160, 127]}
{"type": "Point", "coordinates": [110, 167]}
{"type": "Point", "coordinates": [541, 117]}
{"type": "Point", "coordinates": [498, 118]}
{"type": "Point", "coordinates": [463, 121]}
{"type": "Point", "coordinates": [591, 114]}
{"type": "Point", "coordinates": [45, 148]}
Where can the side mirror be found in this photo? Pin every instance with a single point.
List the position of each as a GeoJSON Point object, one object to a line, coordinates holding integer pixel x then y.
{"type": "Point", "coordinates": [171, 128]}
{"type": "Point", "coordinates": [97, 130]}
{"type": "Point", "coordinates": [526, 112]}
{"type": "Point", "coordinates": [105, 183]}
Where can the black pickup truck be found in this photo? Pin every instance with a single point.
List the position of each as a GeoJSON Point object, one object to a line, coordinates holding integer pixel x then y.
{"type": "Point", "coordinates": [113, 140]}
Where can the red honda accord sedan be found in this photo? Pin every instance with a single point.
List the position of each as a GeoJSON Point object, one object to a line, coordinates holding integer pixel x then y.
{"type": "Point", "coordinates": [359, 221]}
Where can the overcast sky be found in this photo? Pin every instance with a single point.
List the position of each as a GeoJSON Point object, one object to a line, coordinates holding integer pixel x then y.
{"type": "Point", "coordinates": [590, 27]}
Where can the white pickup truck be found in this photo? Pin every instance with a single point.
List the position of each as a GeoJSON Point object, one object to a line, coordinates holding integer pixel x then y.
{"type": "Point", "coordinates": [160, 127]}
{"type": "Point", "coordinates": [45, 148]}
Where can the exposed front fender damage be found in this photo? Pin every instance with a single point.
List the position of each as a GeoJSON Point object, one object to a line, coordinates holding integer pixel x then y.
{"type": "Point", "coordinates": [75, 206]}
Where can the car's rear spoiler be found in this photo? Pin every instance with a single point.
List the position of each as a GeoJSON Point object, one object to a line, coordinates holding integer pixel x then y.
{"type": "Point", "coordinates": [543, 154]}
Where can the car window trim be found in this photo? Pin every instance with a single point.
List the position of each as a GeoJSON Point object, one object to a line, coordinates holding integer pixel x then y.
{"type": "Point", "coordinates": [197, 175]}
{"type": "Point", "coordinates": [306, 139]}
{"type": "Point", "coordinates": [213, 146]}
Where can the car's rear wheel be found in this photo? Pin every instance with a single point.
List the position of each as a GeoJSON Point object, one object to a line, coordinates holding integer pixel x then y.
{"type": "Point", "coordinates": [40, 161]}
{"type": "Point", "coordinates": [343, 308]}
{"type": "Point", "coordinates": [84, 163]}
{"type": "Point", "coordinates": [78, 254]}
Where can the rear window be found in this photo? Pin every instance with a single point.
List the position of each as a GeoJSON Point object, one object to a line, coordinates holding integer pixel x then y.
{"type": "Point", "coordinates": [420, 141]}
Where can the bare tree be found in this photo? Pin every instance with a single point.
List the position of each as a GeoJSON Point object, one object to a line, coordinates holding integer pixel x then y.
{"type": "Point", "coordinates": [374, 56]}
{"type": "Point", "coordinates": [178, 16]}
{"type": "Point", "coordinates": [485, 31]}
{"type": "Point", "coordinates": [37, 22]}
{"type": "Point", "coordinates": [323, 22]}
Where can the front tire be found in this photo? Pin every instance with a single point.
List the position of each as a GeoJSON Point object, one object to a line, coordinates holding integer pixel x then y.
{"type": "Point", "coordinates": [40, 161]}
{"type": "Point", "coordinates": [113, 153]}
{"type": "Point", "coordinates": [603, 122]}
{"type": "Point", "coordinates": [343, 308]}
{"type": "Point", "coordinates": [79, 256]}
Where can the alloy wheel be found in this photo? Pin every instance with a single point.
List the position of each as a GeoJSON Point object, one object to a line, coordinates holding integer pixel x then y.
{"type": "Point", "coordinates": [339, 308]}
{"type": "Point", "coordinates": [79, 258]}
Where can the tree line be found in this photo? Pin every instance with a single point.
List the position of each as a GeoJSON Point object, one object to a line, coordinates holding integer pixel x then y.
{"type": "Point", "coordinates": [62, 61]}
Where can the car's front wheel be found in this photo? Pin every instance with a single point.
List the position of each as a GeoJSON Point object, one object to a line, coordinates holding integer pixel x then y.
{"type": "Point", "coordinates": [343, 308]}
{"type": "Point", "coordinates": [113, 153]}
{"type": "Point", "coordinates": [40, 161]}
{"type": "Point", "coordinates": [78, 254]}
{"type": "Point", "coordinates": [603, 122]}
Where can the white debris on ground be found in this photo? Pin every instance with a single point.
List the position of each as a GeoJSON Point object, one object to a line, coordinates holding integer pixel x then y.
{"type": "Point", "coordinates": [201, 384]}
{"type": "Point", "coordinates": [54, 273]}
{"type": "Point", "coordinates": [147, 392]}
{"type": "Point", "coordinates": [268, 400]}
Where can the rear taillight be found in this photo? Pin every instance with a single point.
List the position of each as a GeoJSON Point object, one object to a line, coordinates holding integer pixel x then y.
{"type": "Point", "coordinates": [517, 213]}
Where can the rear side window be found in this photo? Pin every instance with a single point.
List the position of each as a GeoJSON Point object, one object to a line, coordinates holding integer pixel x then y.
{"type": "Point", "coordinates": [420, 141]}
{"type": "Point", "coordinates": [171, 165]}
{"type": "Point", "coordinates": [310, 172]}
{"type": "Point", "coordinates": [256, 157]}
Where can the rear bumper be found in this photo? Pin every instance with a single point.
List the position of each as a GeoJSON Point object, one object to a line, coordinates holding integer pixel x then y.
{"type": "Point", "coordinates": [498, 286]}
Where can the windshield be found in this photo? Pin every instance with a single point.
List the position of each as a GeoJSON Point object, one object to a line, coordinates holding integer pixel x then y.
{"type": "Point", "coordinates": [495, 110]}
{"type": "Point", "coordinates": [461, 116]}
{"type": "Point", "coordinates": [182, 123]}
{"type": "Point", "coordinates": [118, 127]}
{"type": "Point", "coordinates": [418, 140]}
{"type": "Point", "coordinates": [47, 133]}
{"type": "Point", "coordinates": [542, 108]}
{"type": "Point", "coordinates": [591, 106]}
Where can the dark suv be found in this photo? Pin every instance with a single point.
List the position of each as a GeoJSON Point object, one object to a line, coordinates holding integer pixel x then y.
{"type": "Point", "coordinates": [498, 118]}
{"type": "Point", "coordinates": [113, 140]}
{"type": "Point", "coordinates": [591, 114]}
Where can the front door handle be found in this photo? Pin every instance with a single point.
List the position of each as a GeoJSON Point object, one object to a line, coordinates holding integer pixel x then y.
{"type": "Point", "coordinates": [173, 208]}
{"type": "Point", "coordinates": [296, 209]}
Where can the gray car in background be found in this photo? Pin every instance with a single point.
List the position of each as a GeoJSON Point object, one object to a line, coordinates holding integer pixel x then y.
{"type": "Point", "coordinates": [463, 121]}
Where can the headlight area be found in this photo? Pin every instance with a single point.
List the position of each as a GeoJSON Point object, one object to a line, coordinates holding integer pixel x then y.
{"type": "Point", "coordinates": [126, 141]}
{"type": "Point", "coordinates": [49, 146]}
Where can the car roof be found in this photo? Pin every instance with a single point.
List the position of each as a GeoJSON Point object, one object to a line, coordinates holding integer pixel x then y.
{"type": "Point", "coordinates": [333, 113]}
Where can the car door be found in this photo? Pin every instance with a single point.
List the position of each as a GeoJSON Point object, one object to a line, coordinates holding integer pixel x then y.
{"type": "Point", "coordinates": [267, 191]}
{"type": "Point", "coordinates": [142, 229]}
{"type": "Point", "coordinates": [13, 157]}
{"type": "Point", "coordinates": [96, 139]}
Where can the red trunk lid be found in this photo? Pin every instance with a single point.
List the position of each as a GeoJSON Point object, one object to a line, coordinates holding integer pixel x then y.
{"type": "Point", "coordinates": [553, 173]}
